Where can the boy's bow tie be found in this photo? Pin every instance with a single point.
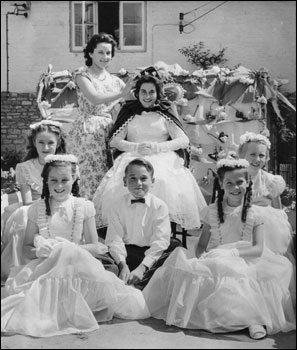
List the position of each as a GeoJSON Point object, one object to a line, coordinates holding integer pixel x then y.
{"type": "Point", "coordinates": [139, 200]}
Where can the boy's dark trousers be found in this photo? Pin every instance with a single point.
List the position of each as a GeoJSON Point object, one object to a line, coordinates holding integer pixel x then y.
{"type": "Point", "coordinates": [135, 256]}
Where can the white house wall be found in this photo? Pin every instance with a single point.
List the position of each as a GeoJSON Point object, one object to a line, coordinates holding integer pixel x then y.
{"type": "Point", "coordinates": [255, 33]}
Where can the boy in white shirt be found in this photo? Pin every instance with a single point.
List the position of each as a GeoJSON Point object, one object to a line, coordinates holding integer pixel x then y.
{"type": "Point", "coordinates": [138, 233]}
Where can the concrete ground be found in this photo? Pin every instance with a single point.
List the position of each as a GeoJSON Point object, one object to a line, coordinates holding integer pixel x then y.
{"type": "Point", "coordinates": [150, 334]}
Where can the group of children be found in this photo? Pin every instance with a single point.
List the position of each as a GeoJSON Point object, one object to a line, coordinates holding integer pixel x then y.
{"type": "Point", "coordinates": [242, 275]}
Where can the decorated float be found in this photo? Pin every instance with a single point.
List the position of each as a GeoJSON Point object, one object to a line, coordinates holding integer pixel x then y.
{"type": "Point", "coordinates": [216, 106]}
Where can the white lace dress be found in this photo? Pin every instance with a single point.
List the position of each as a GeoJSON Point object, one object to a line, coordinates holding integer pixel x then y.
{"type": "Point", "coordinates": [70, 291]}
{"type": "Point", "coordinates": [88, 135]}
{"type": "Point", "coordinates": [225, 294]}
{"type": "Point", "coordinates": [174, 183]}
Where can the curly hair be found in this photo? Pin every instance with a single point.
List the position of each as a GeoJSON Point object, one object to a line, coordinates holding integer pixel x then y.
{"type": "Point", "coordinates": [61, 140]}
{"type": "Point", "coordinates": [94, 41]}
{"type": "Point", "coordinates": [45, 173]}
{"type": "Point", "coordinates": [149, 79]}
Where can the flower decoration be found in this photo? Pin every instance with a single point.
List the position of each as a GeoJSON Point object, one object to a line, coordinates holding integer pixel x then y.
{"type": "Point", "coordinates": [252, 137]}
{"type": "Point", "coordinates": [123, 72]}
{"type": "Point", "coordinates": [232, 163]}
{"type": "Point", "coordinates": [60, 158]}
{"type": "Point", "coordinates": [46, 122]}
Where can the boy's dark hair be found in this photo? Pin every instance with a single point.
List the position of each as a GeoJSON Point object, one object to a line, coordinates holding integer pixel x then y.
{"type": "Point", "coordinates": [141, 162]}
{"type": "Point", "coordinates": [94, 41]}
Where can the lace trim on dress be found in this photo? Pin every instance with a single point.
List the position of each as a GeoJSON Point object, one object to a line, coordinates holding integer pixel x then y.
{"type": "Point", "coordinates": [76, 222]}
{"type": "Point", "coordinates": [216, 238]}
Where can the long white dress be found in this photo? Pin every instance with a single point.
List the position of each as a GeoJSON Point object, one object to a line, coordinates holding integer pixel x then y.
{"type": "Point", "coordinates": [174, 183]}
{"type": "Point", "coordinates": [15, 216]}
{"type": "Point", "coordinates": [70, 291]}
{"type": "Point", "coordinates": [227, 293]}
{"type": "Point", "coordinates": [278, 231]}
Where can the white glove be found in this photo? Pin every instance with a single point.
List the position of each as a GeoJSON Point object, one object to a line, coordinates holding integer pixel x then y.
{"type": "Point", "coordinates": [147, 148]}
{"type": "Point", "coordinates": [44, 251]}
{"type": "Point", "coordinates": [220, 253]}
{"type": "Point", "coordinates": [44, 246]}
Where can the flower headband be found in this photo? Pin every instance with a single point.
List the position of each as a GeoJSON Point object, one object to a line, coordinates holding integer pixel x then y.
{"type": "Point", "coordinates": [46, 122]}
{"type": "Point", "coordinates": [60, 158]}
{"type": "Point", "coordinates": [232, 163]}
{"type": "Point", "coordinates": [252, 137]}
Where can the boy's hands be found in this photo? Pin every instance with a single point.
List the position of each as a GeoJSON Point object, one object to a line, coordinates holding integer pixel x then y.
{"type": "Point", "coordinates": [147, 148]}
{"type": "Point", "coordinates": [137, 274]}
{"type": "Point", "coordinates": [131, 277]}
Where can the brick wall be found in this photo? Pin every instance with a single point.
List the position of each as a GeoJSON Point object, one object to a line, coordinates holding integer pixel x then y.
{"type": "Point", "coordinates": [18, 111]}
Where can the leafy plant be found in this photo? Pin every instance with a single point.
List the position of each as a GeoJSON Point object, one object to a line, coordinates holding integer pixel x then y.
{"type": "Point", "coordinates": [198, 55]}
{"type": "Point", "coordinates": [9, 159]}
{"type": "Point", "coordinates": [288, 197]}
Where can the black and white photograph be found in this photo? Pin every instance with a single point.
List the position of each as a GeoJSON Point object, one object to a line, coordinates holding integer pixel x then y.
{"type": "Point", "coordinates": [148, 174]}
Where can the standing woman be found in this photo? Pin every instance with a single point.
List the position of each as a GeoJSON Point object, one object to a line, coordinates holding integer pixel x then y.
{"type": "Point", "coordinates": [98, 92]}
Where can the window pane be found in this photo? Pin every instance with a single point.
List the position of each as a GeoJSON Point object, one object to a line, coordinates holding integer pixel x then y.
{"type": "Point", "coordinates": [89, 15]}
{"type": "Point", "coordinates": [132, 13]}
{"type": "Point", "coordinates": [89, 31]}
{"type": "Point", "coordinates": [132, 35]}
{"type": "Point", "coordinates": [78, 36]}
{"type": "Point", "coordinates": [77, 14]}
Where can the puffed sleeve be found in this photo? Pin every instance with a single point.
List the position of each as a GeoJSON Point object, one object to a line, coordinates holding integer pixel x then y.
{"type": "Point", "coordinates": [204, 215]}
{"type": "Point", "coordinates": [22, 174]}
{"type": "Point", "coordinates": [33, 211]}
{"type": "Point", "coordinates": [276, 185]}
{"type": "Point", "coordinates": [89, 210]}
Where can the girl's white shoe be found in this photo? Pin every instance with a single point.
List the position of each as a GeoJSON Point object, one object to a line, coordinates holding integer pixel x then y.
{"type": "Point", "coordinates": [257, 332]}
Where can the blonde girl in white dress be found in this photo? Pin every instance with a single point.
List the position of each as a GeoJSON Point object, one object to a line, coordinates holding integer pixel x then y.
{"type": "Point", "coordinates": [64, 289]}
{"type": "Point", "coordinates": [267, 189]}
{"type": "Point", "coordinates": [45, 137]}
{"type": "Point", "coordinates": [235, 281]}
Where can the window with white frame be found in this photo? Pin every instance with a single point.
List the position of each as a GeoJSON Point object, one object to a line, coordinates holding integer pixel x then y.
{"type": "Point", "coordinates": [125, 20]}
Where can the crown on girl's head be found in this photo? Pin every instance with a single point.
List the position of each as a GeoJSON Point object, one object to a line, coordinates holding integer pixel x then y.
{"type": "Point", "coordinates": [252, 137]}
{"type": "Point", "coordinates": [46, 122]}
{"type": "Point", "coordinates": [151, 70]}
{"type": "Point", "coordinates": [232, 163]}
{"type": "Point", "coordinates": [60, 158]}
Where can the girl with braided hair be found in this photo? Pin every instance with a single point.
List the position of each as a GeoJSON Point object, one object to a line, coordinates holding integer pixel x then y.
{"type": "Point", "coordinates": [234, 281]}
{"type": "Point", "coordinates": [64, 283]}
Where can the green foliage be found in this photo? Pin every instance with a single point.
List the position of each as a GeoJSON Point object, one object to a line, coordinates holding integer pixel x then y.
{"type": "Point", "coordinates": [9, 159]}
{"type": "Point", "coordinates": [198, 55]}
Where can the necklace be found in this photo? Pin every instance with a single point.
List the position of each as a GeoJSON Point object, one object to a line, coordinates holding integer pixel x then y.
{"type": "Point", "coordinates": [72, 227]}
{"type": "Point", "coordinates": [220, 233]}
